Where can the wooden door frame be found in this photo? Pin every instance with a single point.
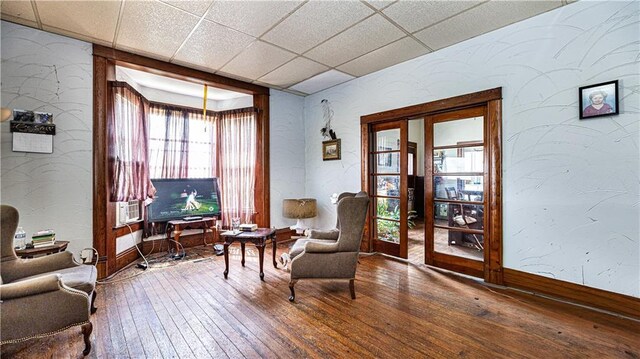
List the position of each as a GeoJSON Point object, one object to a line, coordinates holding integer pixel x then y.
{"type": "Point", "coordinates": [492, 269]}
{"type": "Point", "coordinates": [105, 60]}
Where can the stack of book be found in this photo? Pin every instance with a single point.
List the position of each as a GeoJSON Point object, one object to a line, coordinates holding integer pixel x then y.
{"type": "Point", "coordinates": [43, 238]}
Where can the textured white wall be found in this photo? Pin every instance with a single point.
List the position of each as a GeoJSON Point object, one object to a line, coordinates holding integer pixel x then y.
{"type": "Point", "coordinates": [50, 73]}
{"type": "Point", "coordinates": [286, 148]}
{"type": "Point", "coordinates": [571, 187]}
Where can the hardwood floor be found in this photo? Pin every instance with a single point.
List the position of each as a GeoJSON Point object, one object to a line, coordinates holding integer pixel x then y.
{"type": "Point", "coordinates": [402, 310]}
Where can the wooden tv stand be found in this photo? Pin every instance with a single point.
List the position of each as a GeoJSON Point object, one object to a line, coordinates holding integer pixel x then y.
{"type": "Point", "coordinates": [179, 225]}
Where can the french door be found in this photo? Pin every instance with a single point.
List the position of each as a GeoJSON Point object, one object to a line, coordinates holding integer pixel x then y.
{"type": "Point", "coordinates": [388, 181]}
{"type": "Point", "coordinates": [456, 184]}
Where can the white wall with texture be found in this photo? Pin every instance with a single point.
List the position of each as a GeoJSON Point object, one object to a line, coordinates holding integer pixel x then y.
{"type": "Point", "coordinates": [571, 187]}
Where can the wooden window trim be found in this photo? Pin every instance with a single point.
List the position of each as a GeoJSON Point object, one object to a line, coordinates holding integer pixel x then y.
{"type": "Point", "coordinates": [105, 60]}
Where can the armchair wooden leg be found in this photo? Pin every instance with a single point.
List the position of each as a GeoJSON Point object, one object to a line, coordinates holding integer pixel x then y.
{"type": "Point", "coordinates": [86, 332]}
{"type": "Point", "coordinates": [293, 293]}
{"type": "Point", "coordinates": [352, 288]}
{"type": "Point", "coordinates": [93, 302]}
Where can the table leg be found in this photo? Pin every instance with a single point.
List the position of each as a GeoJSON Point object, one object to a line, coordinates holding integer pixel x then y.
{"type": "Point", "coordinates": [242, 249]}
{"type": "Point", "coordinates": [260, 247]}
{"type": "Point", "coordinates": [226, 259]}
{"type": "Point", "coordinates": [273, 249]}
{"type": "Point", "coordinates": [176, 238]}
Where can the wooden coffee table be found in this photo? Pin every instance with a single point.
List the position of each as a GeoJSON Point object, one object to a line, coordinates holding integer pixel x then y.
{"type": "Point", "coordinates": [58, 246]}
{"type": "Point", "coordinates": [259, 238]}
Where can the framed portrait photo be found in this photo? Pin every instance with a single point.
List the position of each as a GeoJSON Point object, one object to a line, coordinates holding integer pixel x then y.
{"type": "Point", "coordinates": [599, 100]}
{"type": "Point", "coordinates": [331, 150]}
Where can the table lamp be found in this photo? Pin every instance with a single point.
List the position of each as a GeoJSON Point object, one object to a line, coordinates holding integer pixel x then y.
{"type": "Point", "coordinates": [299, 209]}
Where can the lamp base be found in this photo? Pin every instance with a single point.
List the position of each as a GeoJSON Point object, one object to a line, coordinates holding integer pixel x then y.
{"type": "Point", "coordinates": [298, 227]}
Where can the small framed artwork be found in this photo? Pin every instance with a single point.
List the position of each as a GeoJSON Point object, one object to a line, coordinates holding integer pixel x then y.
{"type": "Point", "coordinates": [43, 117]}
{"type": "Point", "coordinates": [331, 150]}
{"type": "Point", "coordinates": [599, 100]}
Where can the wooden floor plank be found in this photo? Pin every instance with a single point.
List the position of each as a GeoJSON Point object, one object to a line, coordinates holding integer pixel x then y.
{"type": "Point", "coordinates": [402, 310]}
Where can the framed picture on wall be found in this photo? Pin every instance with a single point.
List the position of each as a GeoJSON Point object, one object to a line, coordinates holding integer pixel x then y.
{"type": "Point", "coordinates": [599, 100]}
{"type": "Point", "coordinates": [331, 150]}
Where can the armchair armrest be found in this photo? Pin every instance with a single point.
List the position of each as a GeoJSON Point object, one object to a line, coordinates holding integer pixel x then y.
{"type": "Point", "coordinates": [22, 268]}
{"type": "Point", "coordinates": [44, 284]}
{"type": "Point", "coordinates": [330, 234]}
{"type": "Point", "coordinates": [315, 247]}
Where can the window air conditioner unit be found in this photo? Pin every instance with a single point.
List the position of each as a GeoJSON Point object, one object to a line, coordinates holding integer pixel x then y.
{"type": "Point", "coordinates": [127, 212]}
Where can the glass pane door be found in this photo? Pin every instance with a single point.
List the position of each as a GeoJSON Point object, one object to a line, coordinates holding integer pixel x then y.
{"type": "Point", "coordinates": [389, 195]}
{"type": "Point", "coordinates": [456, 189]}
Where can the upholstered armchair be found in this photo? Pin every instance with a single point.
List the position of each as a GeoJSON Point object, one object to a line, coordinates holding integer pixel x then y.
{"type": "Point", "coordinates": [41, 296]}
{"type": "Point", "coordinates": [332, 254]}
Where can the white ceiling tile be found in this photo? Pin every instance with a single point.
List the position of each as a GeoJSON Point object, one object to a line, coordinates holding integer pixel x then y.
{"type": "Point", "coordinates": [213, 45]}
{"type": "Point", "coordinates": [257, 60]}
{"type": "Point", "coordinates": [154, 27]}
{"type": "Point", "coordinates": [315, 22]}
{"type": "Point", "coordinates": [251, 17]}
{"type": "Point", "coordinates": [366, 36]}
{"type": "Point", "coordinates": [484, 18]}
{"type": "Point", "coordinates": [198, 7]}
{"type": "Point", "coordinates": [293, 72]}
{"type": "Point", "coordinates": [380, 4]}
{"type": "Point", "coordinates": [322, 81]}
{"type": "Point", "coordinates": [392, 54]}
{"type": "Point", "coordinates": [18, 11]}
{"type": "Point", "coordinates": [416, 15]}
{"type": "Point", "coordinates": [93, 19]}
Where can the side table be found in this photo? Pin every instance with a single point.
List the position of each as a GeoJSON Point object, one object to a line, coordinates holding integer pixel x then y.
{"type": "Point", "coordinates": [258, 237]}
{"type": "Point", "coordinates": [177, 226]}
{"type": "Point", "coordinates": [58, 246]}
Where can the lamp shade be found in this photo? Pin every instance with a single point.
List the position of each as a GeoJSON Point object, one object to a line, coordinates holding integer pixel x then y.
{"type": "Point", "coordinates": [299, 208]}
{"type": "Point", "coordinates": [5, 114]}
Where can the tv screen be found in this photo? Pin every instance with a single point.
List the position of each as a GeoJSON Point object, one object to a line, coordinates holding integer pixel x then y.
{"type": "Point", "coordinates": [179, 198]}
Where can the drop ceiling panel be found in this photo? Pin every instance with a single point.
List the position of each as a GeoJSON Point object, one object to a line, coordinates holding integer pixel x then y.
{"type": "Point", "coordinates": [154, 27]}
{"type": "Point", "coordinates": [394, 53]}
{"type": "Point", "coordinates": [251, 17]}
{"type": "Point", "coordinates": [366, 36]}
{"type": "Point", "coordinates": [195, 7]}
{"type": "Point", "coordinates": [258, 59]}
{"type": "Point", "coordinates": [92, 19]}
{"type": "Point", "coordinates": [293, 72]}
{"type": "Point", "coordinates": [314, 22]}
{"type": "Point", "coordinates": [18, 11]}
{"type": "Point", "coordinates": [379, 4]}
{"type": "Point", "coordinates": [479, 20]}
{"type": "Point", "coordinates": [322, 81]}
{"type": "Point", "coordinates": [416, 15]}
{"type": "Point", "coordinates": [212, 45]}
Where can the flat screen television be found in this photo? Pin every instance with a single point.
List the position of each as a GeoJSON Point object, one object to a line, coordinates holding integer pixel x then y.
{"type": "Point", "coordinates": [179, 198]}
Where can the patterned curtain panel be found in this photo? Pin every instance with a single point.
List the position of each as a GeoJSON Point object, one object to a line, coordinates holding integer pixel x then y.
{"type": "Point", "coordinates": [236, 149]}
{"type": "Point", "coordinates": [181, 142]}
{"type": "Point", "coordinates": [128, 155]}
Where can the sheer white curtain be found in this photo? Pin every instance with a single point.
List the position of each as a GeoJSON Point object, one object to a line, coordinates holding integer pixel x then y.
{"type": "Point", "coordinates": [236, 146]}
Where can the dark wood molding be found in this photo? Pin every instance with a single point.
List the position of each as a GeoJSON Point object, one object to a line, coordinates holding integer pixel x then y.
{"type": "Point", "coordinates": [493, 255]}
{"type": "Point", "coordinates": [262, 185]}
{"type": "Point", "coordinates": [123, 231]}
{"type": "Point", "coordinates": [366, 245]}
{"type": "Point", "coordinates": [158, 67]}
{"type": "Point", "coordinates": [576, 293]}
{"type": "Point", "coordinates": [473, 99]}
{"type": "Point", "coordinates": [126, 257]}
{"type": "Point", "coordinates": [105, 59]}
{"type": "Point", "coordinates": [100, 194]}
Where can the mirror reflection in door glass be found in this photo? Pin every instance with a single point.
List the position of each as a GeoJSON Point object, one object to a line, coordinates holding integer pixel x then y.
{"type": "Point", "coordinates": [388, 231]}
{"type": "Point", "coordinates": [388, 208]}
{"type": "Point", "coordinates": [388, 163]}
{"type": "Point", "coordinates": [459, 244]}
{"type": "Point", "coordinates": [456, 160]}
{"type": "Point", "coordinates": [388, 186]}
{"type": "Point", "coordinates": [454, 132]}
{"type": "Point", "coordinates": [461, 188]}
{"type": "Point", "coordinates": [388, 140]}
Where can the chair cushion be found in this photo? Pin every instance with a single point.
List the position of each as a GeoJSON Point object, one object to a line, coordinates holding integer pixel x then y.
{"type": "Point", "coordinates": [82, 277]}
{"type": "Point", "coordinates": [298, 247]}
